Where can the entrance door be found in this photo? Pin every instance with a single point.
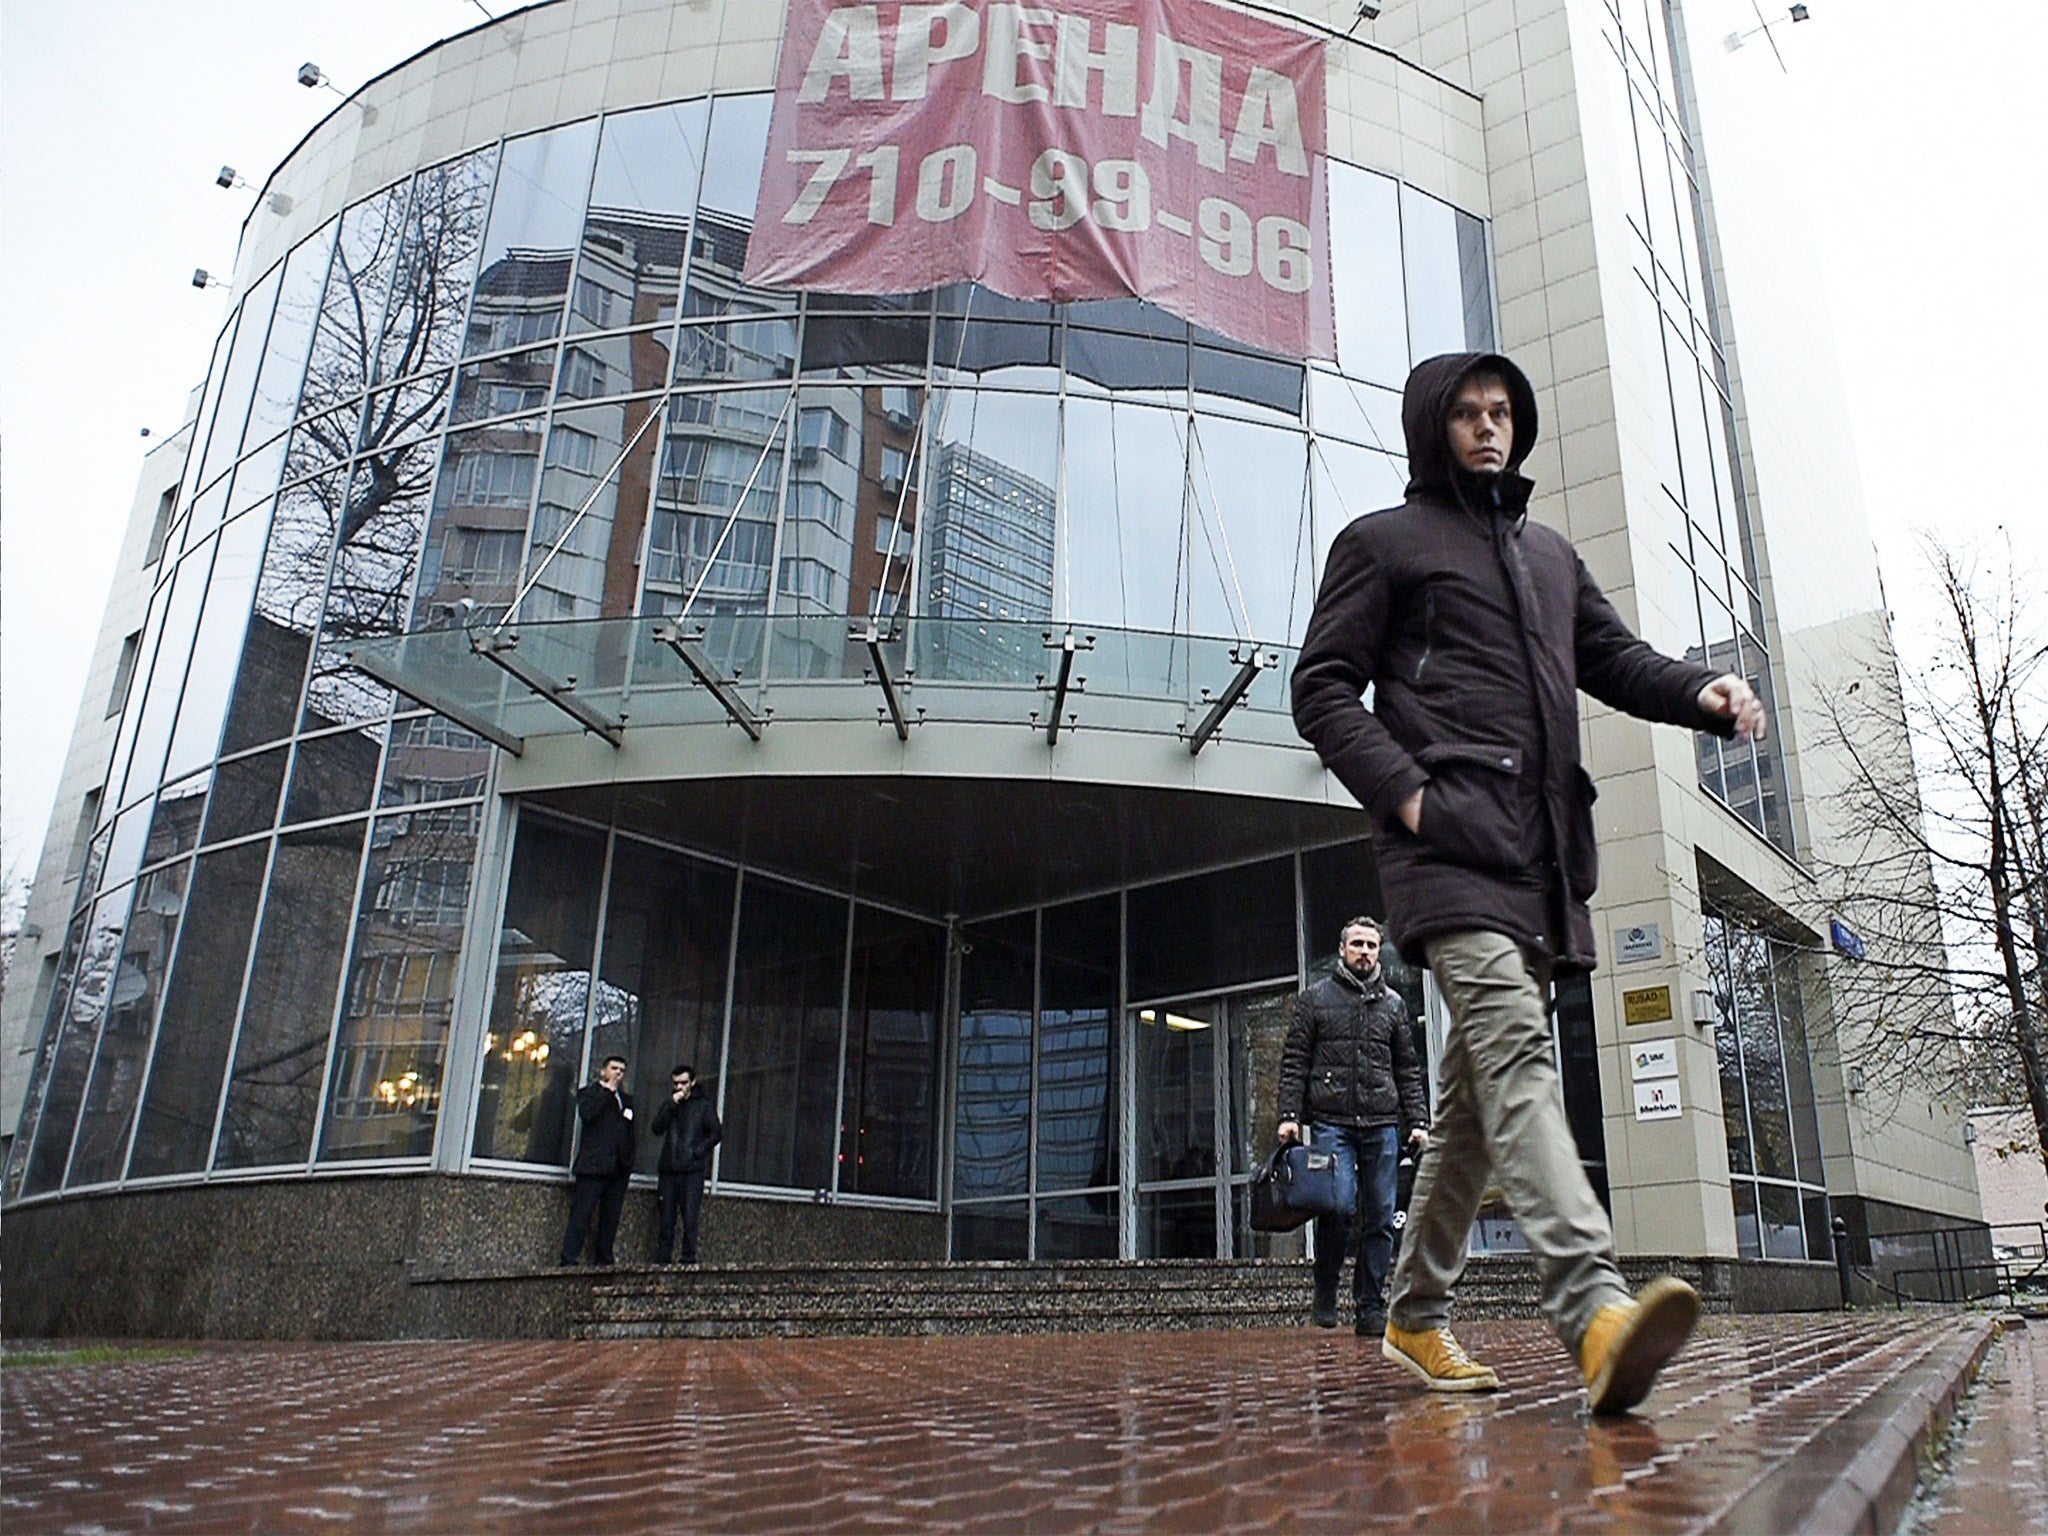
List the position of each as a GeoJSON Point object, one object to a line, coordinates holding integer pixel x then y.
{"type": "Point", "coordinates": [1208, 1074]}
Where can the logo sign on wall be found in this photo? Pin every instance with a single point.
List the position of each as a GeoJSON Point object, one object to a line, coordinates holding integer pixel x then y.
{"type": "Point", "coordinates": [1168, 150]}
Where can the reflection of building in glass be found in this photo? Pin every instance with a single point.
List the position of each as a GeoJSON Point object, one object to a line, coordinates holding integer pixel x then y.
{"type": "Point", "coordinates": [994, 995]}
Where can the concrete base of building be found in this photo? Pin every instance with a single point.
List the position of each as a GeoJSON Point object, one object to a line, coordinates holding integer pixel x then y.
{"type": "Point", "coordinates": [354, 1257]}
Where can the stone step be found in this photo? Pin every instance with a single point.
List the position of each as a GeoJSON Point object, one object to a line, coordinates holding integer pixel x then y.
{"type": "Point", "coordinates": [1002, 1297]}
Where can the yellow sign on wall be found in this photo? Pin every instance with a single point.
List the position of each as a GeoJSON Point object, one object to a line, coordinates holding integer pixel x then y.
{"type": "Point", "coordinates": [1646, 1005]}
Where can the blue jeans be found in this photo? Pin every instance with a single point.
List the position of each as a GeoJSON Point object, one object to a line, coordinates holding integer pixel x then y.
{"type": "Point", "coordinates": [1368, 1164]}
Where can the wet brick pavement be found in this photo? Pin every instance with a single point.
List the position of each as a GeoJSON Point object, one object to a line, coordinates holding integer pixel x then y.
{"type": "Point", "coordinates": [1998, 1462]}
{"type": "Point", "coordinates": [1241, 1431]}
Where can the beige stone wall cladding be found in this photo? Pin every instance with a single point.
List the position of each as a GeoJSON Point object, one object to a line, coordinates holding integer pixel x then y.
{"type": "Point", "coordinates": [2011, 1174]}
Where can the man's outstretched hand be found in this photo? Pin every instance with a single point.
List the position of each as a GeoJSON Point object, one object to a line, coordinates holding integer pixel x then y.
{"type": "Point", "coordinates": [1730, 697]}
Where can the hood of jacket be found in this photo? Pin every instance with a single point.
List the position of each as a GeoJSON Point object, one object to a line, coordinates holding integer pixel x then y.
{"type": "Point", "coordinates": [1426, 421]}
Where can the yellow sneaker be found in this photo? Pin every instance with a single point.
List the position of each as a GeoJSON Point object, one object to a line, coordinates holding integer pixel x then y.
{"type": "Point", "coordinates": [1436, 1357]}
{"type": "Point", "coordinates": [1629, 1341]}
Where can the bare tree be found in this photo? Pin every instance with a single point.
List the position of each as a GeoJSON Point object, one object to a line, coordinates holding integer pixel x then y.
{"type": "Point", "coordinates": [1938, 834]}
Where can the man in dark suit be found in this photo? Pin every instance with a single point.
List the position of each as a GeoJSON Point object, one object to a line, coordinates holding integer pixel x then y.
{"type": "Point", "coordinates": [604, 1162]}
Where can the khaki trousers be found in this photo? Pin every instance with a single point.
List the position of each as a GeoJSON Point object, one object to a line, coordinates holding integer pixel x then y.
{"type": "Point", "coordinates": [1500, 1121]}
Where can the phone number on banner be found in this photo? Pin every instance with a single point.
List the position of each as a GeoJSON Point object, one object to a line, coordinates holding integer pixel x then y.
{"type": "Point", "coordinates": [1064, 190]}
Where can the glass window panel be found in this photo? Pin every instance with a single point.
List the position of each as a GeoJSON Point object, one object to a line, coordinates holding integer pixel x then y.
{"type": "Point", "coordinates": [437, 263]}
{"type": "Point", "coordinates": [1132, 317]}
{"type": "Point", "coordinates": [384, 1089]}
{"type": "Point", "coordinates": [1257, 1023]}
{"type": "Point", "coordinates": [55, 1014]}
{"type": "Point", "coordinates": [1357, 412]}
{"type": "Point", "coordinates": [661, 992]}
{"type": "Point", "coordinates": [621, 363]}
{"type": "Point", "coordinates": [1153, 368]}
{"type": "Point", "coordinates": [281, 1053]}
{"type": "Point", "coordinates": [1435, 277]}
{"type": "Point", "coordinates": [176, 1125]}
{"type": "Point", "coordinates": [750, 351]}
{"type": "Point", "coordinates": [245, 794]}
{"type": "Point", "coordinates": [1264, 388]}
{"type": "Point", "coordinates": [1008, 343]}
{"type": "Point", "coordinates": [989, 526]}
{"type": "Point", "coordinates": [319, 443]}
{"type": "Point", "coordinates": [167, 676]}
{"type": "Point", "coordinates": [371, 585]}
{"type": "Point", "coordinates": [404, 413]}
{"type": "Point", "coordinates": [352, 308]}
{"type": "Point", "coordinates": [992, 1112]}
{"type": "Point", "coordinates": [635, 238]}
{"type": "Point", "coordinates": [1820, 1236]}
{"type": "Point", "coordinates": [782, 1080]}
{"type": "Point", "coordinates": [1661, 199]}
{"type": "Point", "coordinates": [1365, 275]}
{"type": "Point", "coordinates": [1079, 1227]}
{"type": "Point", "coordinates": [477, 534]}
{"type": "Point", "coordinates": [594, 513]}
{"type": "Point", "coordinates": [886, 513]}
{"type": "Point", "coordinates": [333, 775]}
{"type": "Point", "coordinates": [997, 1231]}
{"type": "Point", "coordinates": [116, 1084]}
{"type": "Point", "coordinates": [431, 758]}
{"type": "Point", "coordinates": [276, 397]}
{"type": "Point", "coordinates": [1694, 452]}
{"type": "Point", "coordinates": [877, 340]}
{"type": "Point", "coordinates": [1176, 1062]}
{"type": "Point", "coordinates": [1784, 1226]}
{"type": "Point", "coordinates": [536, 226]}
{"type": "Point", "coordinates": [1126, 472]}
{"type": "Point", "coordinates": [534, 1047]}
{"type": "Point", "coordinates": [1763, 1071]}
{"type": "Point", "coordinates": [223, 627]}
{"type": "Point", "coordinates": [1250, 550]}
{"type": "Point", "coordinates": [1177, 1224]}
{"type": "Point", "coordinates": [1770, 752]}
{"type": "Point", "coordinates": [264, 703]}
{"type": "Point", "coordinates": [1337, 884]}
{"type": "Point", "coordinates": [1221, 929]}
{"type": "Point", "coordinates": [890, 1102]}
{"type": "Point", "coordinates": [1077, 1053]}
{"type": "Point", "coordinates": [1350, 483]}
{"type": "Point", "coordinates": [255, 481]}
{"type": "Point", "coordinates": [1478, 285]}
{"type": "Point", "coordinates": [231, 408]}
{"type": "Point", "coordinates": [717, 447]}
{"type": "Point", "coordinates": [85, 1003]}
{"type": "Point", "coordinates": [195, 458]}
{"type": "Point", "coordinates": [174, 825]}
{"type": "Point", "coordinates": [510, 384]}
{"type": "Point", "coordinates": [824, 492]}
{"type": "Point", "coordinates": [1785, 964]}
{"type": "Point", "coordinates": [735, 151]}
{"type": "Point", "coordinates": [1748, 1240]}
{"type": "Point", "coordinates": [1728, 1048]}
{"type": "Point", "coordinates": [208, 509]}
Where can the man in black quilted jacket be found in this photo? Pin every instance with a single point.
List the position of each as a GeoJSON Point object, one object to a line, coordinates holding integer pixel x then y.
{"type": "Point", "coordinates": [1476, 629]}
{"type": "Point", "coordinates": [1350, 1069]}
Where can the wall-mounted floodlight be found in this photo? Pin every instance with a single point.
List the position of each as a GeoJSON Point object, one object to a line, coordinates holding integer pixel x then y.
{"type": "Point", "coordinates": [201, 278]}
{"type": "Point", "coordinates": [1735, 40]}
{"type": "Point", "coordinates": [1367, 11]}
{"type": "Point", "coordinates": [310, 75]}
{"type": "Point", "coordinates": [229, 178]}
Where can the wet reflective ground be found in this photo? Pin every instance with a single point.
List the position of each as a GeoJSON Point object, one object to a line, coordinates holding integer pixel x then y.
{"type": "Point", "coordinates": [1252, 1430]}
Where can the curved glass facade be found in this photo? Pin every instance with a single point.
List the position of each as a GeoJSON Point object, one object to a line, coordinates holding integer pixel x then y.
{"type": "Point", "coordinates": [532, 376]}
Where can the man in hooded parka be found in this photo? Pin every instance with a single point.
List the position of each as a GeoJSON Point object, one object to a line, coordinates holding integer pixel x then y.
{"type": "Point", "coordinates": [1476, 629]}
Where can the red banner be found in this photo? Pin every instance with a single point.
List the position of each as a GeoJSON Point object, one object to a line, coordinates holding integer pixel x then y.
{"type": "Point", "coordinates": [1169, 150]}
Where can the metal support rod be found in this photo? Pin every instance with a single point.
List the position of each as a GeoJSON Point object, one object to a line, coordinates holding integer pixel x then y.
{"type": "Point", "coordinates": [872, 637]}
{"type": "Point", "coordinates": [468, 719]}
{"type": "Point", "coordinates": [688, 645]}
{"type": "Point", "coordinates": [501, 650]}
{"type": "Point", "coordinates": [1249, 665]}
{"type": "Point", "coordinates": [1062, 684]}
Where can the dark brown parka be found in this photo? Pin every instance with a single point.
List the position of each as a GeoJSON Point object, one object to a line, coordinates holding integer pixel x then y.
{"type": "Point", "coordinates": [1475, 629]}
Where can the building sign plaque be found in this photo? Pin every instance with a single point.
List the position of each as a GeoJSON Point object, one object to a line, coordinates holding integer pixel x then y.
{"type": "Point", "coordinates": [1646, 1005]}
{"type": "Point", "coordinates": [1638, 941]}
{"type": "Point", "coordinates": [1658, 1099]}
{"type": "Point", "coordinates": [1653, 1058]}
{"type": "Point", "coordinates": [1079, 149]}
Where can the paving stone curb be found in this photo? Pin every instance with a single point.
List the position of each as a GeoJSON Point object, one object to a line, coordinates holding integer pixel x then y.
{"type": "Point", "coordinates": [1893, 1429]}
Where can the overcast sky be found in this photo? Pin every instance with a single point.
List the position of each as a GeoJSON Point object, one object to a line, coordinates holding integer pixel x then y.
{"type": "Point", "coordinates": [1923, 128]}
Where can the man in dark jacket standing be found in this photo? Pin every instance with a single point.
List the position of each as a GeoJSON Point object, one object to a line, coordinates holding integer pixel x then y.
{"type": "Point", "coordinates": [688, 1127]}
{"type": "Point", "coordinates": [1350, 1062]}
{"type": "Point", "coordinates": [1476, 629]}
{"type": "Point", "coordinates": [604, 1162]}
